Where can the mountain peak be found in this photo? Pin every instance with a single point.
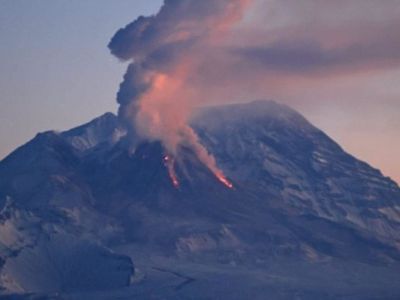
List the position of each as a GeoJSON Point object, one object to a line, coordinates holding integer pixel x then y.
{"type": "Point", "coordinates": [103, 129]}
{"type": "Point", "coordinates": [250, 112]}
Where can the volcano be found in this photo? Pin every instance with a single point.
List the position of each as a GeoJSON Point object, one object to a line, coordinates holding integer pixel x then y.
{"type": "Point", "coordinates": [96, 213]}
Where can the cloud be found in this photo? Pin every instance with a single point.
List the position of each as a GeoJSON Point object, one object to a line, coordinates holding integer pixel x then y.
{"type": "Point", "coordinates": [300, 57]}
{"type": "Point", "coordinates": [277, 42]}
{"type": "Point", "coordinates": [173, 37]}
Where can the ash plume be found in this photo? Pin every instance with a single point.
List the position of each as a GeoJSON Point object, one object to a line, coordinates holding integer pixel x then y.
{"type": "Point", "coordinates": [166, 52]}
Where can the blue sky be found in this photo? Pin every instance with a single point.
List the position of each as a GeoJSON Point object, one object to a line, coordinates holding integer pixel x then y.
{"type": "Point", "coordinates": [55, 69]}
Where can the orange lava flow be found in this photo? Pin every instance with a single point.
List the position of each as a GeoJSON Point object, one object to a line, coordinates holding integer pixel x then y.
{"type": "Point", "coordinates": [169, 163]}
{"type": "Point", "coordinates": [224, 180]}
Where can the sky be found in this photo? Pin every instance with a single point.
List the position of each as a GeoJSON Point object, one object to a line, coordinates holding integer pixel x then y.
{"type": "Point", "coordinates": [337, 62]}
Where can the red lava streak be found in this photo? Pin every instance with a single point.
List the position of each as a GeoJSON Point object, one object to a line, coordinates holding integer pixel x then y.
{"type": "Point", "coordinates": [224, 180]}
{"type": "Point", "coordinates": [169, 163]}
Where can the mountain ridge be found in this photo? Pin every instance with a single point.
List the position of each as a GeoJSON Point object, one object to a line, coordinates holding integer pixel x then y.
{"type": "Point", "coordinates": [298, 197]}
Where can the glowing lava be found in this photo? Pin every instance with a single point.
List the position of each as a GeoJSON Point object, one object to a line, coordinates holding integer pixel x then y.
{"type": "Point", "coordinates": [169, 163]}
{"type": "Point", "coordinates": [224, 180]}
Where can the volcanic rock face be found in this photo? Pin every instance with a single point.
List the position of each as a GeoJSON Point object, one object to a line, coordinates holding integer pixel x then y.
{"type": "Point", "coordinates": [304, 218]}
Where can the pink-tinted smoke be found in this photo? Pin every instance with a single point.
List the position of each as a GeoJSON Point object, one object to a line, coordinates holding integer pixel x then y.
{"type": "Point", "coordinates": [167, 52]}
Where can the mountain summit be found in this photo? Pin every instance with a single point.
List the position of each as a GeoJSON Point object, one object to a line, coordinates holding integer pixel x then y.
{"type": "Point", "coordinates": [94, 213]}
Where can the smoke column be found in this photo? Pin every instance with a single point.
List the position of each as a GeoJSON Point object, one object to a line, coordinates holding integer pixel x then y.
{"type": "Point", "coordinates": [166, 52]}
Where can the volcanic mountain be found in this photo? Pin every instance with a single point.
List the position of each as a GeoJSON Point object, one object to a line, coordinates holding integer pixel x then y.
{"type": "Point", "coordinates": [94, 213]}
